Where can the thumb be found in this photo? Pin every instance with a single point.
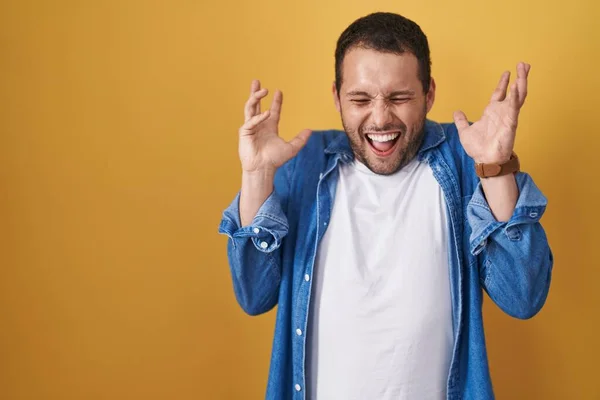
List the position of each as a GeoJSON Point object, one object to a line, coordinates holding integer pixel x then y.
{"type": "Point", "coordinates": [460, 120]}
{"type": "Point", "coordinates": [299, 141]}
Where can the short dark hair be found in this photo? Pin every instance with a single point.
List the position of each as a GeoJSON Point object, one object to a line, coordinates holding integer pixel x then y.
{"type": "Point", "coordinates": [387, 33]}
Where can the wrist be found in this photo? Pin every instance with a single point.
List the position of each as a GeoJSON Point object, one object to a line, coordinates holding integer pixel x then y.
{"type": "Point", "coordinates": [257, 186]}
{"type": "Point", "coordinates": [489, 169]}
{"type": "Point", "coordinates": [259, 175]}
{"type": "Point", "coordinates": [498, 159]}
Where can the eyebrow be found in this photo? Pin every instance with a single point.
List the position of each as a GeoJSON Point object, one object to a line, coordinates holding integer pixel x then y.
{"type": "Point", "coordinates": [403, 93]}
{"type": "Point", "coordinates": [393, 94]}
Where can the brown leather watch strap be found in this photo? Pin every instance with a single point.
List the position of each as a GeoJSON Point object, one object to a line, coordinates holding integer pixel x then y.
{"type": "Point", "coordinates": [490, 170]}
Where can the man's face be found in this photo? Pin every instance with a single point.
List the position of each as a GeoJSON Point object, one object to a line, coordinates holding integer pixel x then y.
{"type": "Point", "coordinates": [383, 107]}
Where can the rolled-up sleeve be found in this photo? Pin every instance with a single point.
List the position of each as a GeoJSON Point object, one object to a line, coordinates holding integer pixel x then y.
{"type": "Point", "coordinates": [514, 256]}
{"type": "Point", "coordinates": [254, 251]}
{"type": "Point", "coordinates": [267, 229]}
{"type": "Point", "coordinates": [530, 207]}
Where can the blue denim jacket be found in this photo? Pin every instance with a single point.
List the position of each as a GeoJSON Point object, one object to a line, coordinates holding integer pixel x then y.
{"type": "Point", "coordinates": [272, 259]}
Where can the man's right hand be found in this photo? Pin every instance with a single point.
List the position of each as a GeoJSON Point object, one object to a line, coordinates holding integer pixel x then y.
{"type": "Point", "coordinates": [262, 151]}
{"type": "Point", "coordinates": [260, 147]}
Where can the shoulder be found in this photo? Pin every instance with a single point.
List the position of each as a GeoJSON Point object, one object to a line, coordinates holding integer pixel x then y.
{"type": "Point", "coordinates": [456, 156]}
{"type": "Point", "coordinates": [313, 155]}
{"type": "Point", "coordinates": [453, 146]}
{"type": "Point", "coordinates": [452, 139]}
{"type": "Point", "coordinates": [322, 139]}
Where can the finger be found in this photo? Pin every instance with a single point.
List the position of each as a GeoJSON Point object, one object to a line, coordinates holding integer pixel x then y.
{"type": "Point", "coordinates": [513, 96]}
{"type": "Point", "coordinates": [460, 119]}
{"type": "Point", "coordinates": [255, 87]}
{"type": "Point", "coordinates": [299, 141]}
{"type": "Point", "coordinates": [500, 92]}
{"type": "Point", "coordinates": [256, 120]}
{"type": "Point", "coordinates": [250, 110]}
{"type": "Point", "coordinates": [276, 105]}
{"type": "Point", "coordinates": [522, 73]}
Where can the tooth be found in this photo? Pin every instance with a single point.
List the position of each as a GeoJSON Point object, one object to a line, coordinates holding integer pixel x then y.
{"type": "Point", "coordinates": [383, 138]}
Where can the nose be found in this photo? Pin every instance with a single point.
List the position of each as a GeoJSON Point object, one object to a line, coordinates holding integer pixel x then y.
{"type": "Point", "coordinates": [381, 113]}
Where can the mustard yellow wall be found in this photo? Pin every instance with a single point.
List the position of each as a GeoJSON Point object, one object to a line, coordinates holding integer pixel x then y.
{"type": "Point", "coordinates": [118, 153]}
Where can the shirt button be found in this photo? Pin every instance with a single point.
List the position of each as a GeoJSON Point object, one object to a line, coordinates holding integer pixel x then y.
{"type": "Point", "coordinates": [264, 245]}
{"type": "Point", "coordinates": [533, 214]}
{"type": "Point", "coordinates": [307, 277]}
{"type": "Point", "coordinates": [256, 230]}
{"type": "Point", "coordinates": [299, 332]}
{"type": "Point", "coordinates": [298, 388]}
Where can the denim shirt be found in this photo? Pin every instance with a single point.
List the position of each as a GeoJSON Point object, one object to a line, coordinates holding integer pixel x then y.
{"type": "Point", "coordinates": [272, 259]}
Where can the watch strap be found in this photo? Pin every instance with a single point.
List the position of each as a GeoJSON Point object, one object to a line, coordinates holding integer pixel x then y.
{"type": "Point", "coordinates": [491, 170]}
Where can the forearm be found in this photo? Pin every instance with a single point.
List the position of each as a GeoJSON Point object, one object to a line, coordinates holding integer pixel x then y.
{"type": "Point", "coordinates": [516, 269]}
{"type": "Point", "coordinates": [514, 257]}
{"type": "Point", "coordinates": [254, 250]}
{"type": "Point", "coordinates": [501, 194]}
{"type": "Point", "coordinates": [256, 275]}
{"type": "Point", "coordinates": [256, 188]}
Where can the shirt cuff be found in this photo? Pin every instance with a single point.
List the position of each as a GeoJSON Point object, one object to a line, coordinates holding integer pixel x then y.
{"type": "Point", "coordinates": [529, 209]}
{"type": "Point", "coordinates": [267, 229]}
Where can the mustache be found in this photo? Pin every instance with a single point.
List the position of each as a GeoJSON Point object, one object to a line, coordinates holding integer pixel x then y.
{"type": "Point", "coordinates": [382, 129]}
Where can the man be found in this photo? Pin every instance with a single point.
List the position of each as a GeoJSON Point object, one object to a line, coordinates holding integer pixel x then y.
{"type": "Point", "coordinates": [375, 243]}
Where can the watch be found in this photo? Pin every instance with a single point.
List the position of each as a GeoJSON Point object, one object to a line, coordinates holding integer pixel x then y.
{"type": "Point", "coordinates": [490, 170]}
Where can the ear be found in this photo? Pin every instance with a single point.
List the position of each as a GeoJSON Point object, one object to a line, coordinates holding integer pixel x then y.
{"type": "Point", "coordinates": [336, 97]}
{"type": "Point", "coordinates": [430, 97]}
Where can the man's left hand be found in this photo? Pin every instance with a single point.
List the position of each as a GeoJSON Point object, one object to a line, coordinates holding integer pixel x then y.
{"type": "Point", "coordinates": [492, 138]}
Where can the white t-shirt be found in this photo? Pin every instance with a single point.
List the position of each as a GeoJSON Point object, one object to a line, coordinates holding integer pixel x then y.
{"type": "Point", "coordinates": [380, 323]}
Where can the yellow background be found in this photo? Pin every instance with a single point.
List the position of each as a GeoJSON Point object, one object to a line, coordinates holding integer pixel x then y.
{"type": "Point", "coordinates": [118, 153]}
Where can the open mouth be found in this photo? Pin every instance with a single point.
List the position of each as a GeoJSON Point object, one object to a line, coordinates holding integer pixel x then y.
{"type": "Point", "coordinates": [383, 144]}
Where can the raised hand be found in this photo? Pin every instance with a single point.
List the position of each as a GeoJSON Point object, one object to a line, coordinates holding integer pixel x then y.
{"type": "Point", "coordinates": [492, 138]}
{"type": "Point", "coordinates": [260, 147]}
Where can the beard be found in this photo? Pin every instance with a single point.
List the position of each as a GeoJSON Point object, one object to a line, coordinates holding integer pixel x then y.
{"type": "Point", "coordinates": [406, 152]}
